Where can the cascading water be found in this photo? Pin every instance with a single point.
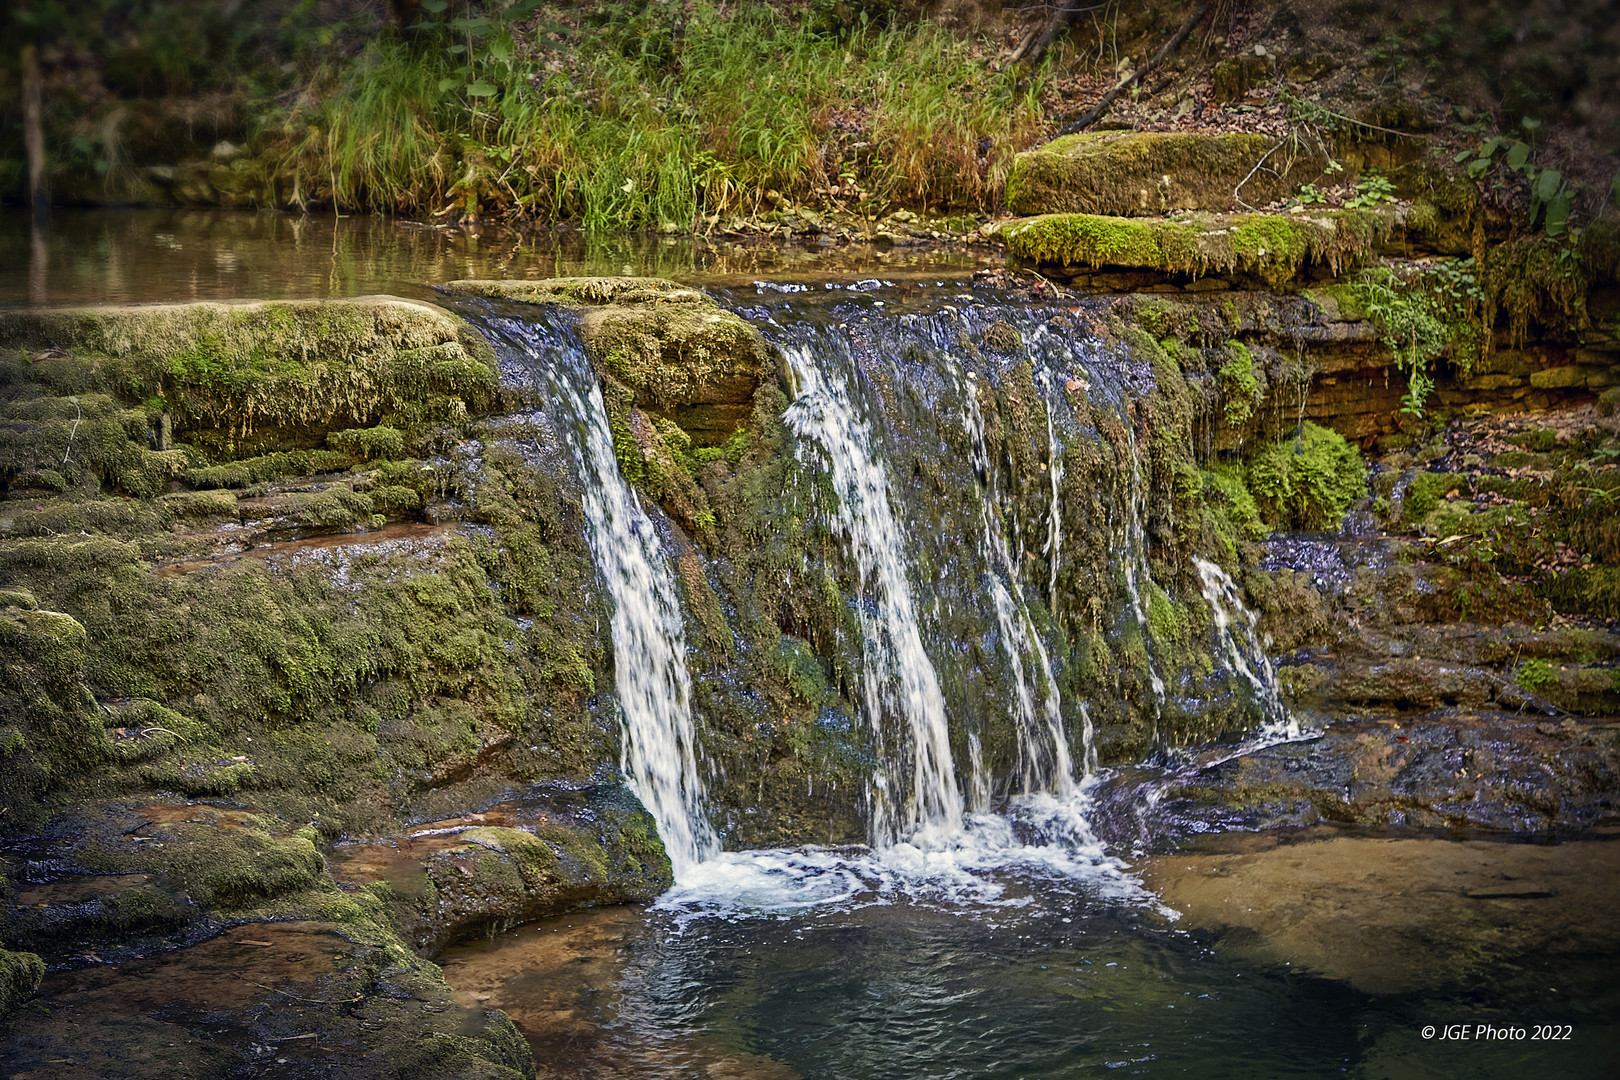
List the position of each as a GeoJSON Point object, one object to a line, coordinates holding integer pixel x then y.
{"type": "Point", "coordinates": [1138, 575]}
{"type": "Point", "coordinates": [915, 796]}
{"type": "Point", "coordinates": [1235, 628]}
{"type": "Point", "coordinates": [1044, 759]}
{"type": "Point", "coordinates": [1054, 518]}
{"type": "Point", "coordinates": [654, 688]}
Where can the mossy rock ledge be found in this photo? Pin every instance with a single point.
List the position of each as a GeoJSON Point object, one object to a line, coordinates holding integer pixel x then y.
{"type": "Point", "coordinates": [675, 352]}
{"type": "Point", "coordinates": [1145, 173]}
{"type": "Point", "coordinates": [263, 375]}
{"type": "Point", "coordinates": [1274, 247]}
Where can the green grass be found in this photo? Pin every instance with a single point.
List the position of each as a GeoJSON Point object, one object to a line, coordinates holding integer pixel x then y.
{"type": "Point", "coordinates": [609, 136]}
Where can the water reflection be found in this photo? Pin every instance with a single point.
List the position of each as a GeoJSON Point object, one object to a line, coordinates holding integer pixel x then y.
{"type": "Point", "coordinates": [174, 255]}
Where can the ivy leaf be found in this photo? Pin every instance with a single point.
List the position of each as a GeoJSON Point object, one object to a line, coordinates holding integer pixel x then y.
{"type": "Point", "coordinates": [1478, 168]}
{"type": "Point", "coordinates": [501, 49]}
{"type": "Point", "coordinates": [480, 89]}
{"type": "Point", "coordinates": [1548, 183]}
{"type": "Point", "coordinates": [1558, 214]}
{"type": "Point", "coordinates": [448, 84]}
{"type": "Point", "coordinates": [1462, 156]}
{"type": "Point", "coordinates": [1491, 145]}
{"type": "Point", "coordinates": [1518, 154]}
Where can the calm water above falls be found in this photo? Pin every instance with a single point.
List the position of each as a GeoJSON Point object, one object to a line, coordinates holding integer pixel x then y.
{"type": "Point", "coordinates": [172, 256]}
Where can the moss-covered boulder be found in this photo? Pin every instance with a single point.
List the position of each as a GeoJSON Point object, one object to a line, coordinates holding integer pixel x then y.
{"type": "Point", "coordinates": [678, 373]}
{"type": "Point", "coordinates": [243, 376]}
{"type": "Point", "coordinates": [558, 849]}
{"type": "Point", "coordinates": [1273, 247]}
{"type": "Point", "coordinates": [49, 732]}
{"type": "Point", "coordinates": [1146, 173]}
{"type": "Point", "coordinates": [20, 973]}
{"type": "Point", "coordinates": [679, 356]}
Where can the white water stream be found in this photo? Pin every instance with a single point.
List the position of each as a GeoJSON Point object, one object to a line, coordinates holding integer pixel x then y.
{"type": "Point", "coordinates": [1235, 627]}
{"type": "Point", "coordinates": [653, 686]}
{"type": "Point", "coordinates": [1043, 745]}
{"type": "Point", "coordinates": [914, 789]}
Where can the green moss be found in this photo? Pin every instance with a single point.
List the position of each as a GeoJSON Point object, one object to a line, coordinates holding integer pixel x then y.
{"type": "Point", "coordinates": [1235, 516]}
{"type": "Point", "coordinates": [20, 975]}
{"type": "Point", "coordinates": [1423, 494]}
{"type": "Point", "coordinates": [1131, 173]}
{"type": "Point", "coordinates": [262, 375]}
{"type": "Point", "coordinates": [1274, 246]}
{"type": "Point", "coordinates": [1240, 390]}
{"type": "Point", "coordinates": [369, 443]}
{"type": "Point", "coordinates": [1307, 482]}
{"type": "Point", "coordinates": [1167, 621]}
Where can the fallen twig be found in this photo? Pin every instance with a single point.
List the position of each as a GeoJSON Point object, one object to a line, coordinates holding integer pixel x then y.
{"type": "Point", "coordinates": [312, 1001]}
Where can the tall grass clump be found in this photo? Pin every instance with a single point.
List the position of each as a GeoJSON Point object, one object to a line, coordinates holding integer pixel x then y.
{"type": "Point", "coordinates": [664, 127]}
{"type": "Point", "coordinates": [377, 137]}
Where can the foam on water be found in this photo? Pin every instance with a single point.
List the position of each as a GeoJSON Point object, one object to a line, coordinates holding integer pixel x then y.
{"type": "Point", "coordinates": [990, 862]}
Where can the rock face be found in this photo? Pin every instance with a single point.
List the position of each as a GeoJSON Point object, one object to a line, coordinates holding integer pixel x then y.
{"type": "Point", "coordinates": [316, 571]}
{"type": "Point", "coordinates": [558, 849]}
{"type": "Point", "coordinates": [253, 955]}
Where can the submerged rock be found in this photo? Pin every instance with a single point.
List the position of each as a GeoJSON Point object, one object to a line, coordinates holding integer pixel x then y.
{"type": "Point", "coordinates": [1391, 914]}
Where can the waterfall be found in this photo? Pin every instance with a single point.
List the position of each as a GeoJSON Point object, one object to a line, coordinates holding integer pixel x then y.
{"type": "Point", "coordinates": [1043, 750]}
{"type": "Point", "coordinates": [1054, 520]}
{"type": "Point", "coordinates": [1138, 574]}
{"type": "Point", "coordinates": [1235, 628]}
{"type": "Point", "coordinates": [653, 687]}
{"type": "Point", "coordinates": [914, 793]}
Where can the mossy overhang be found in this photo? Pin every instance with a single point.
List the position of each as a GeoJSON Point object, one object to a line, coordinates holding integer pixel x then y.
{"type": "Point", "coordinates": [1272, 246]}
{"type": "Point", "coordinates": [1145, 173]}
{"type": "Point", "coordinates": [259, 374]}
{"type": "Point", "coordinates": [678, 353]}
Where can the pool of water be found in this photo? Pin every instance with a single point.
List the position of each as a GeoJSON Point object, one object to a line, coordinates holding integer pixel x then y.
{"type": "Point", "coordinates": [150, 256]}
{"type": "Point", "coordinates": [1332, 967]}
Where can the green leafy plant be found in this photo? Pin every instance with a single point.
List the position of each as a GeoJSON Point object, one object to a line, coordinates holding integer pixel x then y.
{"type": "Point", "coordinates": [1550, 198]}
{"type": "Point", "coordinates": [1371, 190]}
{"type": "Point", "coordinates": [1534, 674]}
{"type": "Point", "coordinates": [1421, 318]}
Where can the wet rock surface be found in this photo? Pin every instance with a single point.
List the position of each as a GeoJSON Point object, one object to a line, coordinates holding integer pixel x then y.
{"type": "Point", "coordinates": [1397, 914]}
{"type": "Point", "coordinates": [198, 940]}
{"type": "Point", "coordinates": [1457, 769]}
{"type": "Point", "coordinates": [557, 850]}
